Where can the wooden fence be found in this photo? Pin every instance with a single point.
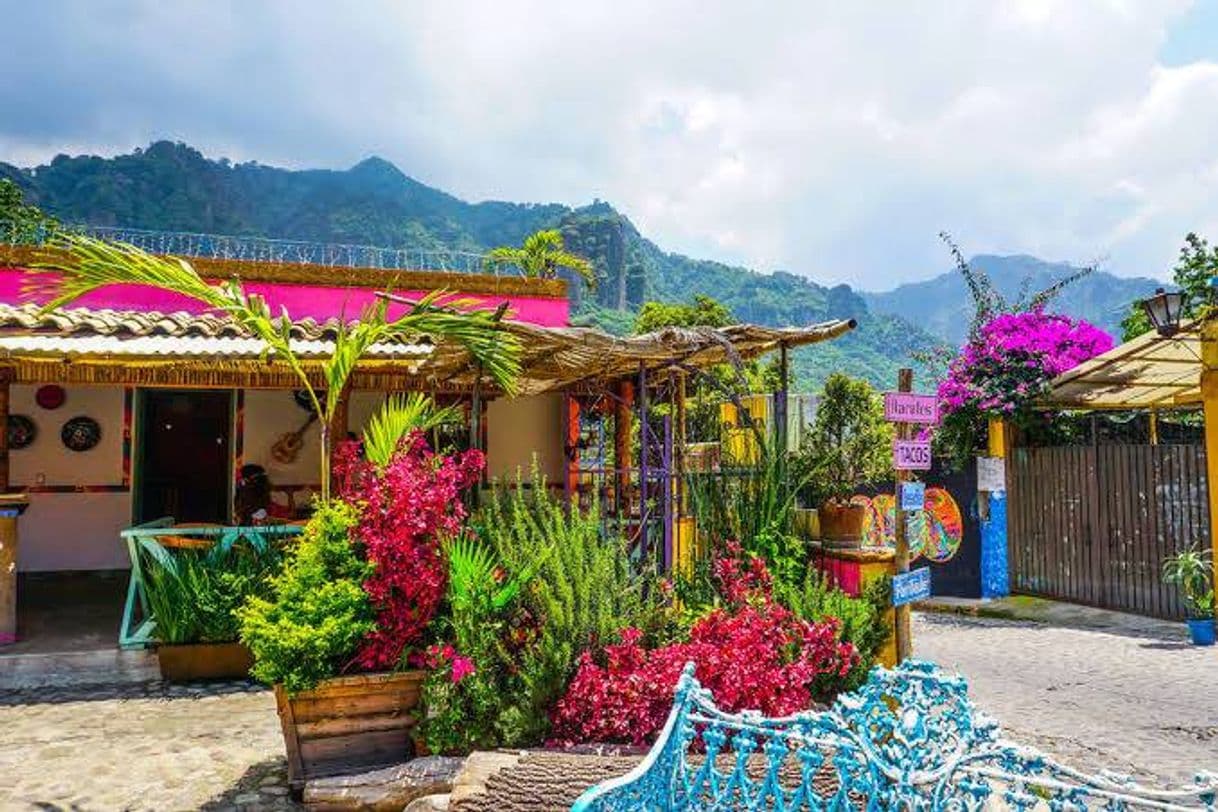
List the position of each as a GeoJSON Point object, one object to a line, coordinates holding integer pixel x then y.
{"type": "Point", "coordinates": [1092, 524]}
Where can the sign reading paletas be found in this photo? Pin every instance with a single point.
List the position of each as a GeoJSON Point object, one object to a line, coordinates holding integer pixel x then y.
{"type": "Point", "coordinates": [906, 407]}
{"type": "Point", "coordinates": [911, 455]}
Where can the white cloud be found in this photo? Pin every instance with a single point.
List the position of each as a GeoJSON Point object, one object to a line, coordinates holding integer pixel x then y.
{"type": "Point", "coordinates": [832, 139]}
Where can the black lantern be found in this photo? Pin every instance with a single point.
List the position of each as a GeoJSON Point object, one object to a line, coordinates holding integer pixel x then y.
{"type": "Point", "coordinates": [1164, 309]}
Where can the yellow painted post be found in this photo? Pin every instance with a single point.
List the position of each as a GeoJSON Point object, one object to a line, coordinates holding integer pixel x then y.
{"type": "Point", "coordinates": [998, 438]}
{"type": "Point", "coordinates": [1209, 403]}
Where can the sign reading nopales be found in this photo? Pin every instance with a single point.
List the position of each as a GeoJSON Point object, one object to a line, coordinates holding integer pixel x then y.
{"type": "Point", "coordinates": [906, 407]}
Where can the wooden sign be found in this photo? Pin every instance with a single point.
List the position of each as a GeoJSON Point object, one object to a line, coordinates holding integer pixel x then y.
{"type": "Point", "coordinates": [911, 586]}
{"type": "Point", "coordinates": [906, 407]}
{"type": "Point", "coordinates": [911, 455]}
{"type": "Point", "coordinates": [913, 495]}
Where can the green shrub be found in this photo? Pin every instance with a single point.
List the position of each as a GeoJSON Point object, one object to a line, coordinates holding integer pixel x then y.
{"type": "Point", "coordinates": [318, 613]}
{"type": "Point", "coordinates": [193, 595]}
{"type": "Point", "coordinates": [863, 619]}
{"type": "Point", "coordinates": [577, 590]}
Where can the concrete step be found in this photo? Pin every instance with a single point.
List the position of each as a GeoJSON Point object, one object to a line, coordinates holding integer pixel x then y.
{"type": "Point", "coordinates": [112, 666]}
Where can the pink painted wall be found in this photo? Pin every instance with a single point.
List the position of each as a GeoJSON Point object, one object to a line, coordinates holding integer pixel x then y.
{"type": "Point", "coordinates": [316, 301]}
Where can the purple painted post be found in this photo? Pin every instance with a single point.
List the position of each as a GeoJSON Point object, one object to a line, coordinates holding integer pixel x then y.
{"type": "Point", "coordinates": [644, 442]}
{"type": "Point", "coordinates": [666, 484]}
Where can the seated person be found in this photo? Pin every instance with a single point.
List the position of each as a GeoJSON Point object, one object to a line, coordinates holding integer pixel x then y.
{"type": "Point", "coordinates": [252, 500]}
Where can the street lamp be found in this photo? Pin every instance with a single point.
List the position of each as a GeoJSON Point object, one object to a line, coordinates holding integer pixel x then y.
{"type": "Point", "coordinates": [1164, 309]}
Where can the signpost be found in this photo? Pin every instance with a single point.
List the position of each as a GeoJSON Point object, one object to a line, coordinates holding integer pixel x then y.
{"type": "Point", "coordinates": [906, 410]}
{"type": "Point", "coordinates": [908, 587]}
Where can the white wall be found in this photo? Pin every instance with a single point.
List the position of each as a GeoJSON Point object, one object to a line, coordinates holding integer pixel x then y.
{"type": "Point", "coordinates": [518, 428]}
{"type": "Point", "coordinates": [71, 530]}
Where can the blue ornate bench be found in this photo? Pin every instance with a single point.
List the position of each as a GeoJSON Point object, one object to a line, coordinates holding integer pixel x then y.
{"type": "Point", "coordinates": [909, 739]}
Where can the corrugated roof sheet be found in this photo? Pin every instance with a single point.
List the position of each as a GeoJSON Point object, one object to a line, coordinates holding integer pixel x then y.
{"type": "Point", "coordinates": [1148, 372]}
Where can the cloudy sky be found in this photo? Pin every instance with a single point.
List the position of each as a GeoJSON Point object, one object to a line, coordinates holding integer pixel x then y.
{"type": "Point", "coordinates": [827, 138]}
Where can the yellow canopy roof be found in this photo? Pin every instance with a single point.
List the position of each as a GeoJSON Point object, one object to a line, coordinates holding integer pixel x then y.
{"type": "Point", "coordinates": [1149, 372]}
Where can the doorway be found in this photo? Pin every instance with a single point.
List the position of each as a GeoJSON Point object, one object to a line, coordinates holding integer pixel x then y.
{"type": "Point", "coordinates": [185, 455]}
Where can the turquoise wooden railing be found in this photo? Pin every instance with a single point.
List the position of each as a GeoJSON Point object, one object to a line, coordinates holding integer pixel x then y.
{"type": "Point", "coordinates": [136, 630]}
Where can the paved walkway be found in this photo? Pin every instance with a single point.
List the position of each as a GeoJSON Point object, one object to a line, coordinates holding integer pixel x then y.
{"type": "Point", "coordinates": [1112, 695]}
{"type": "Point", "coordinates": [142, 748]}
{"type": "Point", "coordinates": [1127, 694]}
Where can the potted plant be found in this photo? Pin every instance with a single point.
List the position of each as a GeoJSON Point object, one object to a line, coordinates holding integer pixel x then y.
{"type": "Point", "coordinates": [850, 445]}
{"type": "Point", "coordinates": [346, 618]}
{"type": "Point", "coordinates": [1193, 572]}
{"type": "Point", "coordinates": [193, 593]}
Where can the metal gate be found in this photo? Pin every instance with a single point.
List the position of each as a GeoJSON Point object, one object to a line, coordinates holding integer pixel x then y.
{"type": "Point", "coordinates": [1092, 524]}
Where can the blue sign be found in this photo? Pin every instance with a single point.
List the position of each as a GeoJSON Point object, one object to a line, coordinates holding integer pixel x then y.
{"type": "Point", "coordinates": [913, 495]}
{"type": "Point", "coordinates": [911, 586]}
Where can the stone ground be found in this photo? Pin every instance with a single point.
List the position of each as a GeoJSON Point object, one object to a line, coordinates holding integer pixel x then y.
{"type": "Point", "coordinates": [1126, 695]}
{"type": "Point", "coordinates": [1133, 698]}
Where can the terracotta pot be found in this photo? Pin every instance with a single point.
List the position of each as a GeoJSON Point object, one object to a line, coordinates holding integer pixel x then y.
{"type": "Point", "coordinates": [349, 724]}
{"type": "Point", "coordinates": [842, 522]}
{"type": "Point", "coordinates": [191, 662]}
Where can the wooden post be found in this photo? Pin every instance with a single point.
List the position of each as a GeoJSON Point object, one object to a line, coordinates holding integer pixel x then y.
{"type": "Point", "coordinates": [1154, 426]}
{"type": "Point", "coordinates": [623, 423]}
{"type": "Point", "coordinates": [680, 441]}
{"type": "Point", "coordinates": [1209, 403]}
{"type": "Point", "coordinates": [781, 398]}
{"type": "Point", "coordinates": [901, 562]}
{"type": "Point", "coordinates": [6, 379]}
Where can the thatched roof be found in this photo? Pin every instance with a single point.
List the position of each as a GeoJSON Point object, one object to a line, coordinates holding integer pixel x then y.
{"type": "Point", "coordinates": [109, 346]}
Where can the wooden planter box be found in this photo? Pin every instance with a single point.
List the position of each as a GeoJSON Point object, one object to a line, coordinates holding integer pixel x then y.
{"type": "Point", "coordinates": [349, 724]}
{"type": "Point", "coordinates": [192, 662]}
{"type": "Point", "coordinates": [842, 524]}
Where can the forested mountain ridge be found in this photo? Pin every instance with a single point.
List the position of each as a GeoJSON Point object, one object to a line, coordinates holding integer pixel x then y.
{"type": "Point", "coordinates": [173, 187]}
{"type": "Point", "coordinates": [942, 305]}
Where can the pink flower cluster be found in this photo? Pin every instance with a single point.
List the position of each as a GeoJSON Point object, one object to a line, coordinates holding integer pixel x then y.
{"type": "Point", "coordinates": [444, 656]}
{"type": "Point", "coordinates": [406, 509]}
{"type": "Point", "coordinates": [1014, 357]}
{"type": "Point", "coordinates": [755, 654]}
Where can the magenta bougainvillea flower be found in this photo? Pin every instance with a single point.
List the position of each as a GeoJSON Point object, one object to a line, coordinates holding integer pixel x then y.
{"type": "Point", "coordinates": [1012, 359]}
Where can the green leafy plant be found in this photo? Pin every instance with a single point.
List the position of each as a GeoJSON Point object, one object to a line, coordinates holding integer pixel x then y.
{"type": "Point", "coordinates": [194, 595]}
{"type": "Point", "coordinates": [863, 619]}
{"type": "Point", "coordinates": [850, 443]}
{"type": "Point", "coordinates": [318, 612]}
{"type": "Point", "coordinates": [22, 222]}
{"type": "Point", "coordinates": [398, 417]}
{"type": "Point", "coordinates": [1192, 570]}
{"type": "Point", "coordinates": [82, 264]}
{"type": "Point", "coordinates": [541, 255]}
{"type": "Point", "coordinates": [585, 592]}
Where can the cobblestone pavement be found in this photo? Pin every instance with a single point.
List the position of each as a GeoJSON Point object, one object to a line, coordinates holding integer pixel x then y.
{"type": "Point", "coordinates": [1118, 698]}
{"type": "Point", "coordinates": [1135, 702]}
{"type": "Point", "coordinates": [142, 748]}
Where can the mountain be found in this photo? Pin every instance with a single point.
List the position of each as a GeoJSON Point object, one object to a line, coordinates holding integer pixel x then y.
{"type": "Point", "coordinates": [173, 187]}
{"type": "Point", "coordinates": [942, 305]}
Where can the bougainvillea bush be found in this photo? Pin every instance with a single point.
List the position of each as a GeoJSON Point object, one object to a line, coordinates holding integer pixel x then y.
{"type": "Point", "coordinates": [1005, 367]}
{"type": "Point", "coordinates": [406, 509]}
{"type": "Point", "coordinates": [751, 652]}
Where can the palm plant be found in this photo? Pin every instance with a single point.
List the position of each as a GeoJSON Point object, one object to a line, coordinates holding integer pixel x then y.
{"type": "Point", "coordinates": [1192, 571]}
{"type": "Point", "coordinates": [397, 417]}
{"type": "Point", "coordinates": [541, 255]}
{"type": "Point", "coordinates": [84, 264]}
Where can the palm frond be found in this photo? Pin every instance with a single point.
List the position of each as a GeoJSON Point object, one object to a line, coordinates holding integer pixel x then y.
{"type": "Point", "coordinates": [397, 417]}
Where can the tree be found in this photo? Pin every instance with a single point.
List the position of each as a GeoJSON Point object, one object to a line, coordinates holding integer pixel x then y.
{"type": "Point", "coordinates": [83, 264]}
{"type": "Point", "coordinates": [1197, 263]}
{"type": "Point", "coordinates": [541, 255]}
{"type": "Point", "coordinates": [702, 312]}
{"type": "Point", "coordinates": [22, 222]}
{"type": "Point", "coordinates": [850, 443]}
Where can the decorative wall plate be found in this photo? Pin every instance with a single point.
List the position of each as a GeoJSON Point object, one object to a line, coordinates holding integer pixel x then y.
{"type": "Point", "coordinates": [80, 433]}
{"type": "Point", "coordinates": [50, 396]}
{"type": "Point", "coordinates": [21, 431]}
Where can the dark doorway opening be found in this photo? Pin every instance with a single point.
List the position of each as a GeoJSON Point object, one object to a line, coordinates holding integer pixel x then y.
{"type": "Point", "coordinates": [185, 460]}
